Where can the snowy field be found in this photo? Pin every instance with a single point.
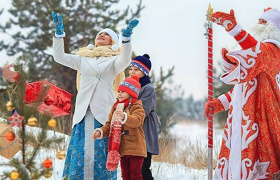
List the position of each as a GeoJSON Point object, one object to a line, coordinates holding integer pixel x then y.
{"type": "Point", "coordinates": [161, 171]}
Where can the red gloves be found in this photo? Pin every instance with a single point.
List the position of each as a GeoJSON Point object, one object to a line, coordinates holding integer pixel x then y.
{"type": "Point", "coordinates": [213, 106]}
{"type": "Point", "coordinates": [226, 20]}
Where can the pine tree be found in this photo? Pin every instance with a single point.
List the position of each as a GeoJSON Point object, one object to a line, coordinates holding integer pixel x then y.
{"type": "Point", "coordinates": [83, 19]}
{"type": "Point", "coordinates": [31, 140]}
{"type": "Point", "coordinates": [193, 109]}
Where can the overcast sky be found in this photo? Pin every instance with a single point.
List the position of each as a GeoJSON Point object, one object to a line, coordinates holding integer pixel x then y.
{"type": "Point", "coordinates": [172, 33]}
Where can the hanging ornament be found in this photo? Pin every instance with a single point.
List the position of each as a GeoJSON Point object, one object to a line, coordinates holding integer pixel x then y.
{"type": "Point", "coordinates": [52, 123]}
{"type": "Point", "coordinates": [32, 121]}
{"type": "Point", "coordinates": [10, 136]}
{"type": "Point", "coordinates": [14, 175]}
{"type": "Point", "coordinates": [10, 106]}
{"type": "Point", "coordinates": [61, 155]}
{"type": "Point", "coordinates": [16, 119]}
{"type": "Point", "coordinates": [48, 101]}
{"type": "Point", "coordinates": [47, 173]}
{"type": "Point", "coordinates": [47, 163]}
{"type": "Point", "coordinates": [16, 77]}
{"type": "Point", "coordinates": [35, 175]}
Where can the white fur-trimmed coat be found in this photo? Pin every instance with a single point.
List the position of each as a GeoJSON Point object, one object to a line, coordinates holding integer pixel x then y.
{"type": "Point", "coordinates": [97, 76]}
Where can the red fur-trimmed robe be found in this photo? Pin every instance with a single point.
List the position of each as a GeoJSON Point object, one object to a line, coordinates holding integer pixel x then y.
{"type": "Point", "coordinates": [251, 141]}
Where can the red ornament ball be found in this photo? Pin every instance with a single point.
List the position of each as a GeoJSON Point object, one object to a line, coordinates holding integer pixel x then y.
{"type": "Point", "coordinates": [48, 101]}
{"type": "Point", "coordinates": [47, 163]}
{"type": "Point", "coordinates": [10, 136]}
{"type": "Point", "coordinates": [16, 76]}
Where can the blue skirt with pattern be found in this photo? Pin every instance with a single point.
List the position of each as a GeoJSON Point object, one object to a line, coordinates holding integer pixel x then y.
{"type": "Point", "coordinates": [74, 163]}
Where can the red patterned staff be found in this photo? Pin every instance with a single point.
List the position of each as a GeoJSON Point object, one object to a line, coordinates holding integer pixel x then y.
{"type": "Point", "coordinates": [209, 36]}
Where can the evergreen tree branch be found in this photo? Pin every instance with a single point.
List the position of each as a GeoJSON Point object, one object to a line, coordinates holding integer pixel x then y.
{"type": "Point", "coordinates": [31, 160]}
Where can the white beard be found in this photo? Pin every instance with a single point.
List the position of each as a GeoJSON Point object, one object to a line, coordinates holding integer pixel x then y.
{"type": "Point", "coordinates": [262, 32]}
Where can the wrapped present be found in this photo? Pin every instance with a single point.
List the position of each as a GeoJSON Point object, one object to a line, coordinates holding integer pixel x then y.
{"type": "Point", "coordinates": [7, 148]}
{"type": "Point", "coordinates": [48, 99]}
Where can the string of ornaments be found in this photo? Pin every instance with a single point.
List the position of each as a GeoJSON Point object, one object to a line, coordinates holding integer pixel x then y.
{"type": "Point", "coordinates": [16, 120]}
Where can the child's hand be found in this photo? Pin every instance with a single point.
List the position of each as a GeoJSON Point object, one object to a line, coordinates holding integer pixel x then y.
{"type": "Point", "coordinates": [119, 113]}
{"type": "Point", "coordinates": [96, 134]}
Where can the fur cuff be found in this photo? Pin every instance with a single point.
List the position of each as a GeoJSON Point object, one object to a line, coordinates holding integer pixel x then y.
{"type": "Point", "coordinates": [224, 101]}
{"type": "Point", "coordinates": [235, 30]}
{"type": "Point", "coordinates": [60, 36]}
{"type": "Point", "coordinates": [125, 118]}
{"type": "Point", "coordinates": [126, 39]}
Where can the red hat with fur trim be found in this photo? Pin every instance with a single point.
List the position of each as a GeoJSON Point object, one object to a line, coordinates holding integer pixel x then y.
{"type": "Point", "coordinates": [131, 86]}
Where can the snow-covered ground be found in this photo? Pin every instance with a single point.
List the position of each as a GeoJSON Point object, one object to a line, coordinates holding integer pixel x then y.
{"type": "Point", "coordinates": [161, 171]}
{"type": "Point", "coordinates": [187, 133]}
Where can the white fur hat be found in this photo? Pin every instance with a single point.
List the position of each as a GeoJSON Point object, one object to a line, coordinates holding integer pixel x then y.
{"type": "Point", "coordinates": [272, 16]}
{"type": "Point", "coordinates": [113, 35]}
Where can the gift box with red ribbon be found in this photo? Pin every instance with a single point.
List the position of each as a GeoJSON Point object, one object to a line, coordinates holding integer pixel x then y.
{"type": "Point", "coordinates": [7, 148]}
{"type": "Point", "coordinates": [48, 98]}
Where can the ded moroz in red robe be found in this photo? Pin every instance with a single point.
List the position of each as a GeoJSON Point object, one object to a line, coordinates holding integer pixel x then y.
{"type": "Point", "coordinates": [251, 141]}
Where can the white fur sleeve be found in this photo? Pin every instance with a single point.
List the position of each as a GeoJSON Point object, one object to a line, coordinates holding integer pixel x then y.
{"type": "Point", "coordinates": [69, 60]}
{"type": "Point", "coordinates": [124, 59]}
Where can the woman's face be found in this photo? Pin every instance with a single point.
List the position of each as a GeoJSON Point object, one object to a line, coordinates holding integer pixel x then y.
{"type": "Point", "coordinates": [134, 71]}
{"type": "Point", "coordinates": [103, 39]}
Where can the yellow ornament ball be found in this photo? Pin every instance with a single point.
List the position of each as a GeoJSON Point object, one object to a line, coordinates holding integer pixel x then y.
{"type": "Point", "coordinates": [52, 123]}
{"type": "Point", "coordinates": [14, 175]}
{"type": "Point", "coordinates": [10, 106]}
{"type": "Point", "coordinates": [32, 121]}
{"type": "Point", "coordinates": [61, 155]}
{"type": "Point", "coordinates": [48, 173]}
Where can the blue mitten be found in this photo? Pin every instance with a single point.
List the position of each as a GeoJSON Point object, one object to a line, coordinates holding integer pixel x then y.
{"type": "Point", "coordinates": [128, 31]}
{"type": "Point", "coordinates": [58, 23]}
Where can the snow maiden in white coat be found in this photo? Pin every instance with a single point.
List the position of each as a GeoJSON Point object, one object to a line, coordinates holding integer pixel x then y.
{"type": "Point", "coordinates": [98, 65]}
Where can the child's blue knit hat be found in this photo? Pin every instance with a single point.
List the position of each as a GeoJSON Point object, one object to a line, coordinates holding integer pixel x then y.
{"type": "Point", "coordinates": [143, 63]}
